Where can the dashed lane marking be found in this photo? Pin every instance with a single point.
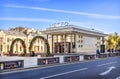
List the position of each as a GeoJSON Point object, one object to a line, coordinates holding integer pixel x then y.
{"type": "Point", "coordinates": [64, 73]}
{"type": "Point", "coordinates": [106, 64]}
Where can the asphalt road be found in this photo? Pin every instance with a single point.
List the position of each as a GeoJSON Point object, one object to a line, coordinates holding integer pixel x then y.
{"type": "Point", "coordinates": [108, 68]}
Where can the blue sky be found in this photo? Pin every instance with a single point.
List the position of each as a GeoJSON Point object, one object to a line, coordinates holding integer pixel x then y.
{"type": "Point", "coordinates": [103, 15]}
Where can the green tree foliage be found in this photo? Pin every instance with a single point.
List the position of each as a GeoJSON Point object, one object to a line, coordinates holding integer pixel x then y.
{"type": "Point", "coordinates": [21, 41]}
{"type": "Point", "coordinates": [45, 40]}
{"type": "Point", "coordinates": [113, 41]}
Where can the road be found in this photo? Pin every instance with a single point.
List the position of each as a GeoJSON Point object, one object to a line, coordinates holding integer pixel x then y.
{"type": "Point", "coordinates": [108, 68]}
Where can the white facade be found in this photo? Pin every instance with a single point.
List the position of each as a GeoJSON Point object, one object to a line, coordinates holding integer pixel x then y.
{"type": "Point", "coordinates": [77, 39]}
{"type": "Point", "coordinates": [87, 43]}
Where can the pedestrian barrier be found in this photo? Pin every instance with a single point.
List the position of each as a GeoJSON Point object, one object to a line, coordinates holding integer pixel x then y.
{"type": "Point", "coordinates": [71, 58]}
{"type": "Point", "coordinates": [102, 55]}
{"type": "Point", "coordinates": [89, 57]}
{"type": "Point", "coordinates": [11, 64]}
{"type": "Point", "coordinates": [113, 54]}
{"type": "Point", "coordinates": [117, 54]}
{"type": "Point", "coordinates": [26, 62]}
{"type": "Point", "coordinates": [50, 60]}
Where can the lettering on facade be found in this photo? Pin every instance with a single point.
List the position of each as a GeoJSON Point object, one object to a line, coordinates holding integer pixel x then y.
{"type": "Point", "coordinates": [60, 24]}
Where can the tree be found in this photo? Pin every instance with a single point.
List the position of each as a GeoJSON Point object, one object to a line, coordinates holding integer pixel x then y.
{"type": "Point", "coordinates": [118, 43]}
{"type": "Point", "coordinates": [14, 41]}
{"type": "Point", "coordinates": [45, 40]}
{"type": "Point", "coordinates": [113, 41]}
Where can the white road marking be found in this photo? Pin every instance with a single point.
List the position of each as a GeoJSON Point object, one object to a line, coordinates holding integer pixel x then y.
{"type": "Point", "coordinates": [64, 73]}
{"type": "Point", "coordinates": [109, 69]}
{"type": "Point", "coordinates": [118, 77]}
{"type": "Point", "coordinates": [106, 64]}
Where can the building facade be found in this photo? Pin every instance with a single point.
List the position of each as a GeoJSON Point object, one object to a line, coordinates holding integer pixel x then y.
{"type": "Point", "coordinates": [62, 38]}
{"type": "Point", "coordinates": [7, 37]}
{"type": "Point", "coordinates": [67, 38]}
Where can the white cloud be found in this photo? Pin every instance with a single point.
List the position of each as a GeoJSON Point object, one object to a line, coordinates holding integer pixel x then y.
{"type": "Point", "coordinates": [43, 20]}
{"type": "Point", "coordinates": [39, 20]}
{"type": "Point", "coordinates": [92, 15]}
{"type": "Point", "coordinates": [84, 25]}
{"type": "Point", "coordinates": [27, 19]}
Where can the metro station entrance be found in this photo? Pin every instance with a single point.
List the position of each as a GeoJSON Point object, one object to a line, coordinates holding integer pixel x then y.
{"type": "Point", "coordinates": [59, 47]}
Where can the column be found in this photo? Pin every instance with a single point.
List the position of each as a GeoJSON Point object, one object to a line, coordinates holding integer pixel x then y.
{"type": "Point", "coordinates": [52, 43]}
{"type": "Point", "coordinates": [71, 42]}
{"type": "Point", "coordinates": [57, 38]}
{"type": "Point", "coordinates": [102, 40]}
{"type": "Point", "coordinates": [64, 43]}
{"type": "Point", "coordinates": [45, 46]}
{"type": "Point", "coordinates": [61, 38]}
{"type": "Point", "coordinates": [75, 40]}
{"type": "Point", "coordinates": [57, 48]}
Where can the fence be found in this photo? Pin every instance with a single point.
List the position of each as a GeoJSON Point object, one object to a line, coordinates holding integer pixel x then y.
{"type": "Point", "coordinates": [26, 62]}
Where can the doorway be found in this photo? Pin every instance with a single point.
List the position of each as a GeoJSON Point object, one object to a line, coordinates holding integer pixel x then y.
{"type": "Point", "coordinates": [59, 47]}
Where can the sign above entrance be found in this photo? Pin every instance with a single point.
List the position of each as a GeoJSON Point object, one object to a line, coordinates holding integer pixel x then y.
{"type": "Point", "coordinates": [60, 24]}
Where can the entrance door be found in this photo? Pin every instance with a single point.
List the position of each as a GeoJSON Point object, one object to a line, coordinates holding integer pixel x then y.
{"type": "Point", "coordinates": [62, 49]}
{"type": "Point", "coordinates": [59, 47]}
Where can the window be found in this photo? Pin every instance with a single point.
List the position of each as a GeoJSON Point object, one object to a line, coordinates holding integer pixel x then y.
{"type": "Point", "coordinates": [8, 48]}
{"type": "Point", "coordinates": [38, 48]}
{"type": "Point", "coordinates": [98, 42]}
{"type": "Point", "coordinates": [21, 48]}
{"type": "Point", "coordinates": [16, 47]}
{"type": "Point", "coordinates": [8, 40]}
{"type": "Point", "coordinates": [79, 36]}
{"type": "Point", "coordinates": [38, 41]}
{"type": "Point", "coordinates": [73, 44]}
{"type": "Point", "coordinates": [98, 38]}
{"type": "Point", "coordinates": [81, 41]}
{"type": "Point", "coordinates": [41, 42]}
{"type": "Point", "coordinates": [81, 46]}
{"type": "Point", "coordinates": [78, 41]}
{"type": "Point", "coordinates": [41, 48]}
